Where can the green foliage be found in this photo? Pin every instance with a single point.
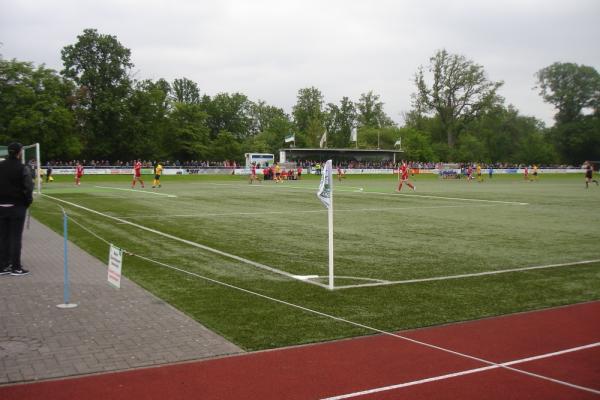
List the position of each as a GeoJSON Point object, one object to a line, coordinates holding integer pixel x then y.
{"type": "Point", "coordinates": [417, 145]}
{"type": "Point", "coordinates": [185, 91]}
{"type": "Point", "coordinates": [308, 111]}
{"type": "Point", "coordinates": [229, 112]}
{"type": "Point", "coordinates": [575, 92]}
{"type": "Point", "coordinates": [99, 65]}
{"type": "Point", "coordinates": [226, 147]}
{"type": "Point", "coordinates": [95, 110]}
{"type": "Point", "coordinates": [370, 111]}
{"type": "Point", "coordinates": [578, 140]}
{"type": "Point", "coordinates": [188, 137]}
{"type": "Point", "coordinates": [35, 107]}
{"type": "Point", "coordinates": [571, 88]}
{"type": "Point", "coordinates": [459, 93]}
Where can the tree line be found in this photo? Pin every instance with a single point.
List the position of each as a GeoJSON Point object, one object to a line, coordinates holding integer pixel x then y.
{"type": "Point", "coordinates": [94, 109]}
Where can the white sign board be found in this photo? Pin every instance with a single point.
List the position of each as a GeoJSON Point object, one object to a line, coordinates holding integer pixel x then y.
{"type": "Point", "coordinates": [115, 261]}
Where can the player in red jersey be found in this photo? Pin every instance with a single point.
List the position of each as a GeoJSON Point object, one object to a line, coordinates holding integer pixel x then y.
{"type": "Point", "coordinates": [137, 174]}
{"type": "Point", "coordinates": [78, 174]}
{"type": "Point", "coordinates": [340, 173]}
{"type": "Point", "coordinates": [403, 177]}
{"type": "Point", "coordinates": [469, 172]}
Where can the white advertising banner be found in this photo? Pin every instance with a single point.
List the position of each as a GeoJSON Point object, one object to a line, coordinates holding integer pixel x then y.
{"type": "Point", "coordinates": [115, 262]}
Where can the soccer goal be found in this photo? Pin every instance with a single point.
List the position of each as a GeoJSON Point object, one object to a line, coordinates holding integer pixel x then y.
{"type": "Point", "coordinates": [31, 157]}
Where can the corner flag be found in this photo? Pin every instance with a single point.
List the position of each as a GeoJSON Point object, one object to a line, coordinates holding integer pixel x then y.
{"type": "Point", "coordinates": [325, 194]}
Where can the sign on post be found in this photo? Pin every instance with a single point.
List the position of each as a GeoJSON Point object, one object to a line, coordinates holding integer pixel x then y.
{"type": "Point", "coordinates": [115, 261]}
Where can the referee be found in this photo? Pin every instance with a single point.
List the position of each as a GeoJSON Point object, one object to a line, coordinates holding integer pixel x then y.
{"type": "Point", "coordinates": [16, 189]}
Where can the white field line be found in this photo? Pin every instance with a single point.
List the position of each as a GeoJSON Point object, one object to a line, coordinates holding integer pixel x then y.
{"type": "Point", "coordinates": [136, 190]}
{"type": "Point", "coordinates": [467, 372]}
{"type": "Point", "coordinates": [294, 212]}
{"type": "Point", "coordinates": [441, 278]}
{"type": "Point", "coordinates": [339, 319]}
{"type": "Point", "coordinates": [194, 244]}
{"type": "Point", "coordinates": [361, 191]}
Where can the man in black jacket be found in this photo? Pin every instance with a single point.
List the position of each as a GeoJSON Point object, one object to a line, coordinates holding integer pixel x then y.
{"type": "Point", "coordinates": [16, 189]}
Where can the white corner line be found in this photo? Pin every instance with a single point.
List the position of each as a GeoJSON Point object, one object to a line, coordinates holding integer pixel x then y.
{"type": "Point", "coordinates": [485, 273]}
{"type": "Point", "coordinates": [189, 242]}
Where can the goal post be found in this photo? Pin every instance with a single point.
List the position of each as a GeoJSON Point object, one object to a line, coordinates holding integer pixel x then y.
{"type": "Point", "coordinates": [31, 157]}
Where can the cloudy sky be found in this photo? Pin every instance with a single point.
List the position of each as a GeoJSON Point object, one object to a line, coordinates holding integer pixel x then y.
{"type": "Point", "coordinates": [268, 49]}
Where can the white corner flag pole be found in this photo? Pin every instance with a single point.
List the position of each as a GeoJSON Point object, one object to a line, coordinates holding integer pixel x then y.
{"type": "Point", "coordinates": [325, 194]}
{"type": "Point", "coordinates": [330, 226]}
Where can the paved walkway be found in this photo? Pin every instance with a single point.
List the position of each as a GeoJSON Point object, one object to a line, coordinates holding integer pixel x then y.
{"type": "Point", "coordinates": [110, 329]}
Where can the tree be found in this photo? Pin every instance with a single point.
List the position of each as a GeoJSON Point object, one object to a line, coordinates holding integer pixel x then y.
{"type": "Point", "coordinates": [228, 112]}
{"type": "Point", "coordinates": [226, 147]}
{"type": "Point", "coordinates": [270, 125]}
{"type": "Point", "coordinates": [571, 88]}
{"type": "Point", "coordinates": [459, 93]}
{"type": "Point", "coordinates": [370, 111]}
{"type": "Point", "coordinates": [99, 65]}
{"type": "Point", "coordinates": [35, 104]}
{"type": "Point", "coordinates": [416, 145]}
{"type": "Point", "coordinates": [145, 122]}
{"type": "Point", "coordinates": [308, 112]}
{"type": "Point", "coordinates": [189, 133]}
{"type": "Point", "coordinates": [185, 91]}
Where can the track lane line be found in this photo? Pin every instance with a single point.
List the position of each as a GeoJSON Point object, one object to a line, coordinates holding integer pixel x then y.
{"type": "Point", "coordinates": [474, 371]}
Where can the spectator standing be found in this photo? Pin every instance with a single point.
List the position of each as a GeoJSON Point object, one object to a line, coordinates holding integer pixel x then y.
{"type": "Point", "coordinates": [16, 195]}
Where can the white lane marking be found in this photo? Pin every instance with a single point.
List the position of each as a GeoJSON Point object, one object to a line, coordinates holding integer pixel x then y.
{"type": "Point", "coordinates": [198, 245]}
{"type": "Point", "coordinates": [136, 190]}
{"type": "Point", "coordinates": [472, 371]}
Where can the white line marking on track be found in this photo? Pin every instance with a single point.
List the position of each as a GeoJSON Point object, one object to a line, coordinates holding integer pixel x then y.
{"type": "Point", "coordinates": [136, 190]}
{"type": "Point", "coordinates": [198, 245]}
{"type": "Point", "coordinates": [442, 278]}
{"type": "Point", "coordinates": [468, 372]}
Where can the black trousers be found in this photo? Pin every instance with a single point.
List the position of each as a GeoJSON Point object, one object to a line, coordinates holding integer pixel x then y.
{"type": "Point", "coordinates": [12, 221]}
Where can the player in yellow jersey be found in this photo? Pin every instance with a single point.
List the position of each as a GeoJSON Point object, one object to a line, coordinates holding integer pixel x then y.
{"type": "Point", "coordinates": [479, 175]}
{"type": "Point", "coordinates": [157, 173]}
{"type": "Point", "coordinates": [535, 173]}
{"type": "Point", "coordinates": [277, 173]}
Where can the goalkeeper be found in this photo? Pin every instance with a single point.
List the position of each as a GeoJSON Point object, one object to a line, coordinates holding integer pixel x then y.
{"type": "Point", "coordinates": [157, 173]}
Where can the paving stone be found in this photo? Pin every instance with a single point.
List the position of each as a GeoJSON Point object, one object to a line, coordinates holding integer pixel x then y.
{"type": "Point", "coordinates": [110, 329]}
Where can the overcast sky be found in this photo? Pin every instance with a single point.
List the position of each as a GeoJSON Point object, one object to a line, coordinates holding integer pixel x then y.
{"type": "Point", "coordinates": [269, 49]}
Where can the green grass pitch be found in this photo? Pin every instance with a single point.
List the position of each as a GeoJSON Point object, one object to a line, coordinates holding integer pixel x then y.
{"type": "Point", "coordinates": [444, 229]}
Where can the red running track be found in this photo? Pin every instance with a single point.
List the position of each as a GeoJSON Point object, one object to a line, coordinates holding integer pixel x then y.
{"type": "Point", "coordinates": [389, 366]}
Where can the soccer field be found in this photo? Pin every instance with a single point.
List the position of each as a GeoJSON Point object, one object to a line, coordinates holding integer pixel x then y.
{"type": "Point", "coordinates": [402, 260]}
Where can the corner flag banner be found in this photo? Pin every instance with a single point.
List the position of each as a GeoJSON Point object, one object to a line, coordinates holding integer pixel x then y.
{"type": "Point", "coordinates": [353, 135]}
{"type": "Point", "coordinates": [290, 138]}
{"type": "Point", "coordinates": [324, 193]}
{"type": "Point", "coordinates": [115, 261]}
